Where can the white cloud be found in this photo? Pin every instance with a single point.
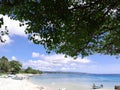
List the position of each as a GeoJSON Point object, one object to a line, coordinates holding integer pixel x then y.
{"type": "Point", "coordinates": [57, 62]}
{"type": "Point", "coordinates": [13, 28]}
{"type": "Point", "coordinates": [7, 39]}
{"type": "Point", "coordinates": [59, 58]}
{"type": "Point", "coordinates": [35, 55]}
{"type": "Point", "coordinates": [13, 58]}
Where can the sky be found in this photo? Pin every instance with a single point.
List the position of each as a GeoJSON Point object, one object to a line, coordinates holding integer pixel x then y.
{"type": "Point", "coordinates": [18, 47]}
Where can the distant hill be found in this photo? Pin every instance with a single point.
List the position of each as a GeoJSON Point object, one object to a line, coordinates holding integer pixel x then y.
{"type": "Point", "coordinates": [63, 72]}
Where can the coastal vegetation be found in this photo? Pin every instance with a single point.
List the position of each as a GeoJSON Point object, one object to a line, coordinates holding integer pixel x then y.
{"type": "Point", "coordinates": [32, 71]}
{"type": "Point", "coordinates": [71, 27]}
{"type": "Point", "coordinates": [14, 67]}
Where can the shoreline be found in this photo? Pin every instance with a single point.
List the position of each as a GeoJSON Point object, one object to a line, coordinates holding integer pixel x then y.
{"type": "Point", "coordinates": [7, 83]}
{"type": "Point", "coordinates": [10, 84]}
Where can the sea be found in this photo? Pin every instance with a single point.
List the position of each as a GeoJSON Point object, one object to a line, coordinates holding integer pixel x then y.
{"type": "Point", "coordinates": [76, 81]}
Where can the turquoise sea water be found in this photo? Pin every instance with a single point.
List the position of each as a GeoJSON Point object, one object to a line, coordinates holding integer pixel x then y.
{"type": "Point", "coordinates": [76, 81]}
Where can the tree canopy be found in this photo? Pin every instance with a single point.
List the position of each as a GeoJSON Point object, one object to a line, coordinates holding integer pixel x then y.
{"type": "Point", "coordinates": [15, 66]}
{"type": "Point", "coordinates": [7, 66]}
{"type": "Point", "coordinates": [31, 70]}
{"type": "Point", "coordinates": [71, 27]}
{"type": "Point", "coordinates": [4, 65]}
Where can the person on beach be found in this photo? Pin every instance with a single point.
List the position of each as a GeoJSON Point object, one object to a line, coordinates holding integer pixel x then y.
{"type": "Point", "coordinates": [94, 86]}
{"type": "Point", "coordinates": [101, 85]}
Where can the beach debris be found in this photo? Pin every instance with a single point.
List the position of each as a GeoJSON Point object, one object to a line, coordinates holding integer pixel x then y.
{"type": "Point", "coordinates": [101, 85]}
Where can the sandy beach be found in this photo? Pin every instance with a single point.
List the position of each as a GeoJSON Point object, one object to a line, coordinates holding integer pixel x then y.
{"type": "Point", "coordinates": [11, 84]}
{"type": "Point", "coordinates": [7, 83]}
{"type": "Point", "coordinates": [25, 84]}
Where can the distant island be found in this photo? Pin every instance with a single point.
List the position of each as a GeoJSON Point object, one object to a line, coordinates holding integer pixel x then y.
{"type": "Point", "coordinates": [64, 72]}
{"type": "Point", "coordinates": [71, 72]}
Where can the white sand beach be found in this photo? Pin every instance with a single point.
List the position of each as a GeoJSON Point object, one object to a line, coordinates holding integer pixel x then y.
{"type": "Point", "coordinates": [12, 84]}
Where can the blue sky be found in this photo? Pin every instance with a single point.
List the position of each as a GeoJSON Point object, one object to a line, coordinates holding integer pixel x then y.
{"type": "Point", "coordinates": [18, 47]}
